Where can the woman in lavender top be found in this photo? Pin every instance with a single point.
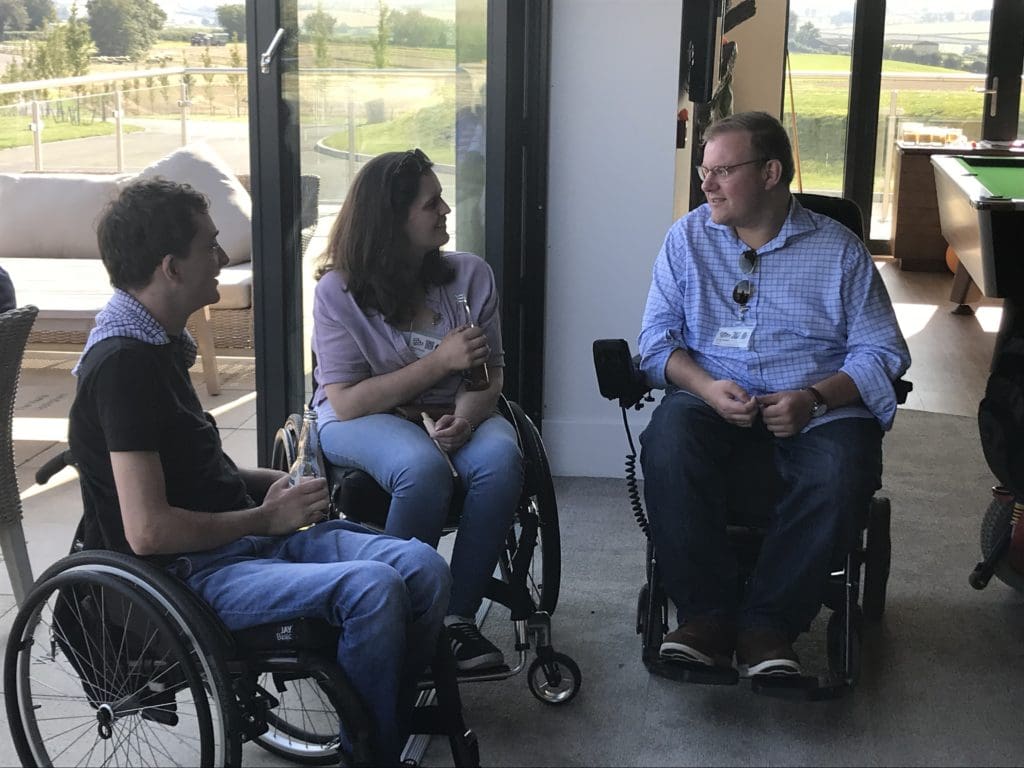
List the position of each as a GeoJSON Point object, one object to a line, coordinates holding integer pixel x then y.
{"type": "Point", "coordinates": [391, 343]}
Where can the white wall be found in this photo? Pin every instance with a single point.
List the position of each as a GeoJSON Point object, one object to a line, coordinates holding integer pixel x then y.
{"type": "Point", "coordinates": [614, 87]}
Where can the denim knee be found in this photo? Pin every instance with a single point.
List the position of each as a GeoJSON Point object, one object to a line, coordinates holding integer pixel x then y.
{"type": "Point", "coordinates": [428, 578]}
{"type": "Point", "coordinates": [379, 594]}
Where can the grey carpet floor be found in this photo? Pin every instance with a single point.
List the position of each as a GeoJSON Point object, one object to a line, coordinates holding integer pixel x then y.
{"type": "Point", "coordinates": [940, 675]}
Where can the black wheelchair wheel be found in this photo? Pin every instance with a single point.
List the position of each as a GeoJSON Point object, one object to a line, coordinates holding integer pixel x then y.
{"type": "Point", "coordinates": [305, 724]}
{"type": "Point", "coordinates": [877, 558]}
{"type": "Point", "coordinates": [286, 443]}
{"type": "Point", "coordinates": [98, 671]}
{"type": "Point", "coordinates": [994, 525]}
{"type": "Point", "coordinates": [536, 534]}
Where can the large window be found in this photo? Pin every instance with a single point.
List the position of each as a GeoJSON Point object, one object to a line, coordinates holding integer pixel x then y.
{"type": "Point", "coordinates": [933, 59]}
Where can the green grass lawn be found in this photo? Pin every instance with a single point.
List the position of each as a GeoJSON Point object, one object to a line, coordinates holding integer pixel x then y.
{"type": "Point", "coordinates": [833, 62]}
{"type": "Point", "coordinates": [14, 131]}
{"type": "Point", "coordinates": [432, 129]}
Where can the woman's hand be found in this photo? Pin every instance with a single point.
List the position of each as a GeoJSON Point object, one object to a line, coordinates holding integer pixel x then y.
{"type": "Point", "coordinates": [451, 432]}
{"type": "Point", "coordinates": [290, 507]}
{"type": "Point", "coordinates": [464, 348]}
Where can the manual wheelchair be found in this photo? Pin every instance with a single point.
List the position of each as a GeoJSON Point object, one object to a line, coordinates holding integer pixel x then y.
{"type": "Point", "coordinates": [619, 377]}
{"type": "Point", "coordinates": [111, 660]}
{"type": "Point", "coordinates": [530, 564]}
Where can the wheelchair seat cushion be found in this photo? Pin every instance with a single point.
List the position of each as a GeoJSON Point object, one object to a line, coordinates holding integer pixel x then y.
{"type": "Point", "coordinates": [294, 635]}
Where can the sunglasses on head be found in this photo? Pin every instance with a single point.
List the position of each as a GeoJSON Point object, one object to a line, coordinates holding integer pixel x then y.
{"type": "Point", "coordinates": [414, 159]}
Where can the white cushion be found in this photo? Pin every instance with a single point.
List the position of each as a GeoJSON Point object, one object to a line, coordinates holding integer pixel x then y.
{"type": "Point", "coordinates": [230, 205]}
{"type": "Point", "coordinates": [235, 287]}
{"type": "Point", "coordinates": [54, 215]}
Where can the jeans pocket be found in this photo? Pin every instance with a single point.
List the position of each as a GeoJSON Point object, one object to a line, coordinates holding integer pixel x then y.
{"type": "Point", "coordinates": [191, 563]}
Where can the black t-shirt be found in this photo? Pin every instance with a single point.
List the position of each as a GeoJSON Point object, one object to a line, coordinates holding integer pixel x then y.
{"type": "Point", "coordinates": [134, 396]}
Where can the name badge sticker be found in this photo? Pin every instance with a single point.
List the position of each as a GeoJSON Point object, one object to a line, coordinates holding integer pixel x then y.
{"type": "Point", "coordinates": [734, 336]}
{"type": "Point", "coordinates": [422, 345]}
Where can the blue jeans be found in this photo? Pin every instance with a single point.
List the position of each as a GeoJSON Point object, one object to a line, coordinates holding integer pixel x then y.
{"type": "Point", "coordinates": [824, 477]}
{"type": "Point", "coordinates": [406, 463]}
{"type": "Point", "coordinates": [388, 595]}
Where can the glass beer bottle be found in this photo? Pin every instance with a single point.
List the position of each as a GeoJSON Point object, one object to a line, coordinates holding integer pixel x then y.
{"type": "Point", "coordinates": [307, 460]}
{"type": "Point", "coordinates": [475, 378]}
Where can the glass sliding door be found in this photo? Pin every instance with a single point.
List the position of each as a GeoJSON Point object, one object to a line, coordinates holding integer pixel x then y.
{"type": "Point", "coordinates": [817, 91]}
{"type": "Point", "coordinates": [932, 89]}
{"type": "Point", "coordinates": [347, 80]}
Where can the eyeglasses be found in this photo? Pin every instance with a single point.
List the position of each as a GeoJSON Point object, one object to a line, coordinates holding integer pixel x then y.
{"type": "Point", "coordinates": [748, 261]}
{"type": "Point", "coordinates": [723, 171]}
{"type": "Point", "coordinates": [416, 160]}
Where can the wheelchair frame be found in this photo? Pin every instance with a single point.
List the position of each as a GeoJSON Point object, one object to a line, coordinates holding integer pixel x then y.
{"type": "Point", "coordinates": [529, 585]}
{"type": "Point", "coordinates": [152, 669]}
{"type": "Point", "coordinates": [619, 377]}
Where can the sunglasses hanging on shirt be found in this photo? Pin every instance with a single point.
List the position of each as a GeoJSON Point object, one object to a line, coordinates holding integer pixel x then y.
{"type": "Point", "coordinates": [744, 289]}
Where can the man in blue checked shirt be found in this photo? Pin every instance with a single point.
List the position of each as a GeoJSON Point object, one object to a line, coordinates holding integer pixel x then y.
{"type": "Point", "coordinates": [765, 323]}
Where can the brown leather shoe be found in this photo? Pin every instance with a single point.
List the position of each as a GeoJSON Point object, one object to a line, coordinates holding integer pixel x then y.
{"type": "Point", "coordinates": [763, 651]}
{"type": "Point", "coordinates": [706, 640]}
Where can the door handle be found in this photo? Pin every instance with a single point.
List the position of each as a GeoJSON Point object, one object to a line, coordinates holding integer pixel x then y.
{"type": "Point", "coordinates": [993, 92]}
{"type": "Point", "coordinates": [268, 55]}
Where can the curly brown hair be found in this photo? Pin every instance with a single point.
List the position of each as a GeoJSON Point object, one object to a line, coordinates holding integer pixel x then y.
{"type": "Point", "coordinates": [367, 239]}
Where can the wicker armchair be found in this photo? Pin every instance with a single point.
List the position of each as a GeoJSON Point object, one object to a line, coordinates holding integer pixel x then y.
{"type": "Point", "coordinates": [15, 325]}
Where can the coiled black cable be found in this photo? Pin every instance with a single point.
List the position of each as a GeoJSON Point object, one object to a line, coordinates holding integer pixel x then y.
{"type": "Point", "coordinates": [632, 488]}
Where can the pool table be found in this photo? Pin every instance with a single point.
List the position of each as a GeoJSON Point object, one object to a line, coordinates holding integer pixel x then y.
{"type": "Point", "coordinates": [981, 211]}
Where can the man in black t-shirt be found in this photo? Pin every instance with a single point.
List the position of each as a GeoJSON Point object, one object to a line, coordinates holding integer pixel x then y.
{"type": "Point", "coordinates": [156, 482]}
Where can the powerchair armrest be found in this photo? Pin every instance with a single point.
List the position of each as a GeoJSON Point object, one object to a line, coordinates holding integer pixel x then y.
{"type": "Point", "coordinates": [902, 387]}
{"type": "Point", "coordinates": [618, 372]}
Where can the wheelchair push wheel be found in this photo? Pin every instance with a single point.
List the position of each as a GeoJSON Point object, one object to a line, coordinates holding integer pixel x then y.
{"type": "Point", "coordinates": [286, 443]}
{"type": "Point", "coordinates": [877, 558]}
{"type": "Point", "coordinates": [535, 534]}
{"type": "Point", "coordinates": [554, 680]}
{"type": "Point", "coordinates": [99, 672]}
{"type": "Point", "coordinates": [304, 725]}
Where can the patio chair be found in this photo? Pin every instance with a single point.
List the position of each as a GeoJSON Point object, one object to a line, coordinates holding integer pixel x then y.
{"type": "Point", "coordinates": [15, 325]}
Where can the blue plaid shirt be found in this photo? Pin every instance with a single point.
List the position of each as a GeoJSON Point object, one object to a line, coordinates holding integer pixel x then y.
{"type": "Point", "coordinates": [818, 306]}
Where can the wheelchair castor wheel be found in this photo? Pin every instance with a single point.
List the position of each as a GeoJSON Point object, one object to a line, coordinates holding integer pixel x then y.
{"type": "Point", "coordinates": [979, 579]}
{"type": "Point", "coordinates": [555, 681]}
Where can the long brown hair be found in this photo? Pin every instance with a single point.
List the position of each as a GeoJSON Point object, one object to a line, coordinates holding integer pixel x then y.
{"type": "Point", "coordinates": [368, 243]}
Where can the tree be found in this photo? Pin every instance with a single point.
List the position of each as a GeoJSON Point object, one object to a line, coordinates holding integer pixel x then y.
{"type": "Point", "coordinates": [124, 27]}
{"type": "Point", "coordinates": [379, 44]}
{"type": "Point", "coordinates": [236, 81]}
{"type": "Point", "coordinates": [320, 26]}
{"type": "Point", "coordinates": [40, 13]}
{"type": "Point", "coordinates": [807, 38]}
{"type": "Point", "coordinates": [232, 20]}
{"type": "Point", "coordinates": [77, 43]}
{"type": "Point", "coordinates": [416, 29]}
{"type": "Point", "coordinates": [13, 15]}
{"type": "Point", "coordinates": [319, 22]}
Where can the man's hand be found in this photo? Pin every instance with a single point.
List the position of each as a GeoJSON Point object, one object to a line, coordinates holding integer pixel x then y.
{"type": "Point", "coordinates": [451, 432]}
{"type": "Point", "coordinates": [731, 402]}
{"type": "Point", "coordinates": [290, 507]}
{"type": "Point", "coordinates": [463, 348]}
{"type": "Point", "coordinates": [786, 413]}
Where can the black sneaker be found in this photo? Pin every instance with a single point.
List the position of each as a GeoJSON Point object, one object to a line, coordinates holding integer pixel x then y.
{"type": "Point", "coordinates": [471, 649]}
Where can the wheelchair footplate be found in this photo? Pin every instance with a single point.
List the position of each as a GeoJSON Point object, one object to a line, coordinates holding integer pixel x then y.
{"type": "Point", "coordinates": [688, 672]}
{"type": "Point", "coordinates": [801, 687]}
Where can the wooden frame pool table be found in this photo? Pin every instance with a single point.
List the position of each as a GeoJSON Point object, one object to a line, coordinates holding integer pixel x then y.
{"type": "Point", "coordinates": [981, 211]}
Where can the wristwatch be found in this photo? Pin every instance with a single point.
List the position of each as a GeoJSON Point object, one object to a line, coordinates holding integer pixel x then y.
{"type": "Point", "coordinates": [819, 407]}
